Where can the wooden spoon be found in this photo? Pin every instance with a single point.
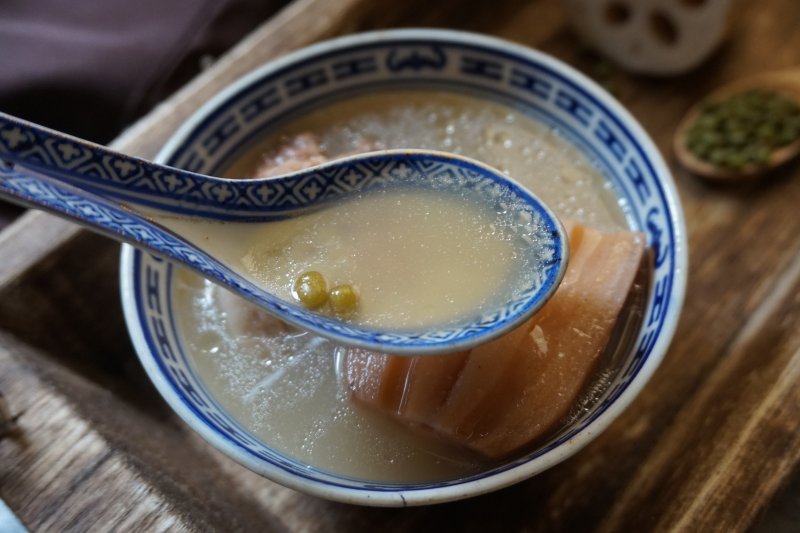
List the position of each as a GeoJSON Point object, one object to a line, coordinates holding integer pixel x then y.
{"type": "Point", "coordinates": [784, 82]}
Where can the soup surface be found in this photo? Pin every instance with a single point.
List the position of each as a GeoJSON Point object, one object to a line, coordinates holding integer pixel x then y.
{"type": "Point", "coordinates": [418, 257]}
{"type": "Point", "coordinates": [282, 384]}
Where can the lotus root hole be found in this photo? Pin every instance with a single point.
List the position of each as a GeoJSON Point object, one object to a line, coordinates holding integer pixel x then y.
{"type": "Point", "coordinates": [663, 27]}
{"type": "Point", "coordinates": [617, 13]}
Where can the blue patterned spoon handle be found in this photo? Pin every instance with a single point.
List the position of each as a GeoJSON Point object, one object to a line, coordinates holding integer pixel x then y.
{"type": "Point", "coordinates": [93, 167]}
{"type": "Point", "coordinates": [28, 188]}
{"type": "Point", "coordinates": [136, 181]}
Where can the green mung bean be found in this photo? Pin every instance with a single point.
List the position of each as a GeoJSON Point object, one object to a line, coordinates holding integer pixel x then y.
{"type": "Point", "coordinates": [744, 129]}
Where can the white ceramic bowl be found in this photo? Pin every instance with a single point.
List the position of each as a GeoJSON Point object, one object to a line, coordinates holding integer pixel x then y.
{"type": "Point", "coordinates": [490, 68]}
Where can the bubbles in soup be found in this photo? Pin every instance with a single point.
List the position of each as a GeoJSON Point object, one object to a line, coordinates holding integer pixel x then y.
{"type": "Point", "coordinates": [282, 384]}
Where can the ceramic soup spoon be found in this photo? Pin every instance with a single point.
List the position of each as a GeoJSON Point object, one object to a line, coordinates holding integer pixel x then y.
{"type": "Point", "coordinates": [118, 195]}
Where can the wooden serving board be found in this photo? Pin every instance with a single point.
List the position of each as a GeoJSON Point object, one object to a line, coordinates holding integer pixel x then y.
{"type": "Point", "coordinates": [706, 446]}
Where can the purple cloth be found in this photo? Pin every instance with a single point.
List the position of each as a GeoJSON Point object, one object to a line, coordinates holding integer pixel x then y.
{"type": "Point", "coordinates": [91, 67]}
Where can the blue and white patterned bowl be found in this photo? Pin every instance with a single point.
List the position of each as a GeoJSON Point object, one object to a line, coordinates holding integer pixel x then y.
{"type": "Point", "coordinates": [496, 70]}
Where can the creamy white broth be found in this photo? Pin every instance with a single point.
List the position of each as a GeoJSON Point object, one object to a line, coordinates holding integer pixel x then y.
{"type": "Point", "coordinates": [418, 258]}
{"type": "Point", "coordinates": [280, 383]}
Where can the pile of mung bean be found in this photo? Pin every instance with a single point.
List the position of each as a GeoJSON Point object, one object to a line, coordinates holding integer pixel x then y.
{"type": "Point", "coordinates": [744, 129]}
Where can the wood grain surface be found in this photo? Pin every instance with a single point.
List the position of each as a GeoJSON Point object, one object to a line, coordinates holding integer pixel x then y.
{"type": "Point", "coordinates": [706, 447]}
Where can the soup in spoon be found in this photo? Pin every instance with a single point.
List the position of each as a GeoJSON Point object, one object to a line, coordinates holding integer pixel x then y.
{"type": "Point", "coordinates": [418, 257]}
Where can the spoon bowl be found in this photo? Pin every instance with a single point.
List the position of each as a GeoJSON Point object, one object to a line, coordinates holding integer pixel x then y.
{"type": "Point", "coordinates": [785, 83]}
{"type": "Point", "coordinates": [122, 196]}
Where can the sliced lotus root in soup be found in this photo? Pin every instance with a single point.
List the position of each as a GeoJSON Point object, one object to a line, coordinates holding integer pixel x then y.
{"type": "Point", "coordinates": [500, 397]}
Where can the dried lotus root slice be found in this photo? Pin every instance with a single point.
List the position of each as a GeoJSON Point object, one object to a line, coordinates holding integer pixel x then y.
{"type": "Point", "coordinates": [660, 37]}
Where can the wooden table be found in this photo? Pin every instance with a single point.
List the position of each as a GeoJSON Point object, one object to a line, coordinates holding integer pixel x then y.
{"type": "Point", "coordinates": [707, 446]}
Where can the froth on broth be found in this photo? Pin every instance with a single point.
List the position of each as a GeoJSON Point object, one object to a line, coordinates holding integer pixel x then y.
{"type": "Point", "coordinates": [283, 385]}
